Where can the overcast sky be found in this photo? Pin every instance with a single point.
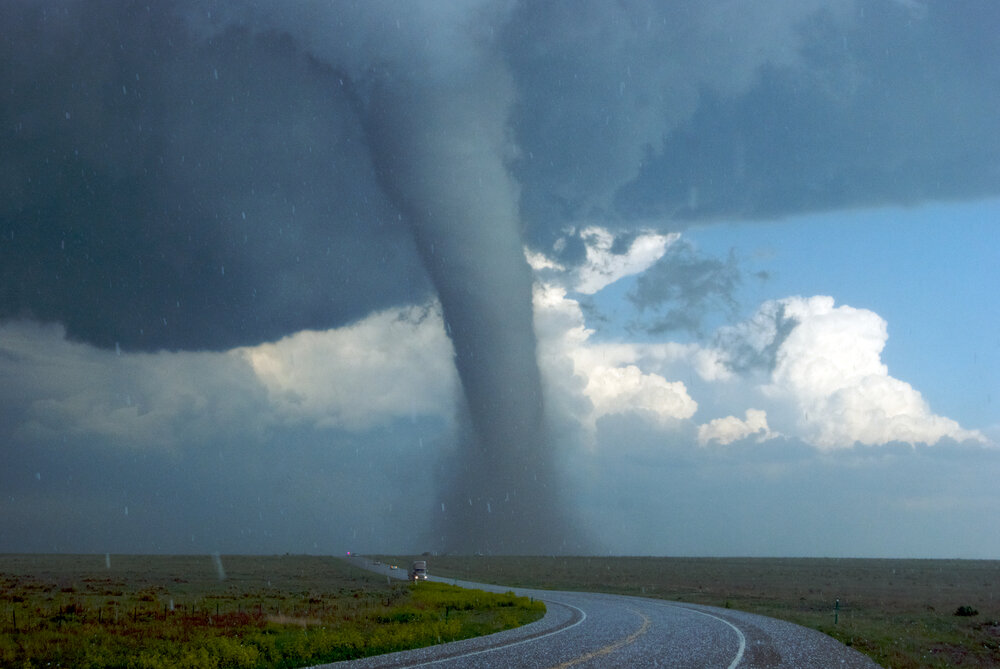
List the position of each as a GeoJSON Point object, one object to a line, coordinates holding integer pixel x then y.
{"type": "Point", "coordinates": [507, 276]}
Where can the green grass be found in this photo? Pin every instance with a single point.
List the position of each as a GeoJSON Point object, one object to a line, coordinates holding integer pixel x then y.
{"type": "Point", "coordinates": [170, 611]}
{"type": "Point", "coordinates": [901, 613]}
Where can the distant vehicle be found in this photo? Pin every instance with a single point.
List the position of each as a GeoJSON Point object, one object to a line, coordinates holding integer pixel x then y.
{"type": "Point", "coordinates": [418, 570]}
{"type": "Point", "coordinates": [392, 566]}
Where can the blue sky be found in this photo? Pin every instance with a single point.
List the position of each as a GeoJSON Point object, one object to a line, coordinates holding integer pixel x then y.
{"type": "Point", "coordinates": [930, 271]}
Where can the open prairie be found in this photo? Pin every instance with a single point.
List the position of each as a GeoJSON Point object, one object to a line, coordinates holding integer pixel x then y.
{"type": "Point", "coordinates": [902, 613]}
{"type": "Point", "coordinates": [231, 611]}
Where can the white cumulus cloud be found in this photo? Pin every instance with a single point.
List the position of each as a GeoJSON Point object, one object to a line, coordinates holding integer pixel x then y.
{"type": "Point", "coordinates": [603, 265]}
{"type": "Point", "coordinates": [616, 390]}
{"type": "Point", "coordinates": [729, 429]}
{"type": "Point", "coordinates": [800, 367]}
{"type": "Point", "coordinates": [389, 365]}
{"type": "Point", "coordinates": [828, 370]}
{"type": "Point", "coordinates": [608, 376]}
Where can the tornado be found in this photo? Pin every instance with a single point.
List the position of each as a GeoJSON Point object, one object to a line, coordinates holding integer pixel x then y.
{"type": "Point", "coordinates": [439, 152]}
{"type": "Point", "coordinates": [433, 93]}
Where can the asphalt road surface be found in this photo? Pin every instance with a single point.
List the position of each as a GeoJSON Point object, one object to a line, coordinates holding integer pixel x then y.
{"type": "Point", "coordinates": [596, 630]}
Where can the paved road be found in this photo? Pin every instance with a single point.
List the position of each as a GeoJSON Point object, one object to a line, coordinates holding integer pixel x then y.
{"type": "Point", "coordinates": [596, 630]}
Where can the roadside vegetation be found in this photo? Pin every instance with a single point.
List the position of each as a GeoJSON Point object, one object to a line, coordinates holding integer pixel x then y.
{"type": "Point", "coordinates": [240, 611]}
{"type": "Point", "coordinates": [904, 614]}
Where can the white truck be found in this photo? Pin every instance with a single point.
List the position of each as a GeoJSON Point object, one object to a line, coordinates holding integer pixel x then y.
{"type": "Point", "coordinates": [418, 570]}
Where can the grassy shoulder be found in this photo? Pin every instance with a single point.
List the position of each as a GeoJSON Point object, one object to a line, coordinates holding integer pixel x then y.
{"type": "Point", "coordinates": [233, 611]}
{"type": "Point", "coordinates": [901, 613]}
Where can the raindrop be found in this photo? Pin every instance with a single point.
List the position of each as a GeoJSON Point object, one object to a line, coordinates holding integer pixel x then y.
{"type": "Point", "coordinates": [124, 90]}
{"type": "Point", "coordinates": [118, 349]}
{"type": "Point", "coordinates": [223, 270]}
{"type": "Point", "coordinates": [215, 73]}
{"type": "Point", "coordinates": [489, 509]}
{"type": "Point", "coordinates": [470, 501]}
{"type": "Point", "coordinates": [107, 560]}
{"type": "Point", "coordinates": [38, 476]}
{"type": "Point", "coordinates": [244, 215]}
{"type": "Point", "coordinates": [442, 507]}
{"type": "Point", "coordinates": [126, 510]}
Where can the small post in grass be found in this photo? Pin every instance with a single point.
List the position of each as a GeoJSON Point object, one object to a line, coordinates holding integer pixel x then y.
{"type": "Point", "coordinates": [836, 611]}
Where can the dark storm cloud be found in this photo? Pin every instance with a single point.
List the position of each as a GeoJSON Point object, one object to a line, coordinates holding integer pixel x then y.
{"type": "Point", "coordinates": [891, 106]}
{"type": "Point", "coordinates": [683, 287]}
{"type": "Point", "coordinates": [235, 495]}
{"type": "Point", "coordinates": [754, 344]}
{"type": "Point", "coordinates": [163, 191]}
{"type": "Point", "coordinates": [182, 179]}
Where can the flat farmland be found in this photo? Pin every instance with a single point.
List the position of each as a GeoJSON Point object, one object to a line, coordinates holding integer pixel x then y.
{"type": "Point", "coordinates": [227, 611]}
{"type": "Point", "coordinates": [901, 613]}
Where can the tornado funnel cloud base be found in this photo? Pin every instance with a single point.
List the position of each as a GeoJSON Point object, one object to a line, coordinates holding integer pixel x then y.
{"type": "Point", "coordinates": [503, 501]}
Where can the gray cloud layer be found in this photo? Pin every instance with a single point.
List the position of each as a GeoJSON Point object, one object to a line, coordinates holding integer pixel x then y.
{"type": "Point", "coordinates": [161, 191]}
{"type": "Point", "coordinates": [182, 182]}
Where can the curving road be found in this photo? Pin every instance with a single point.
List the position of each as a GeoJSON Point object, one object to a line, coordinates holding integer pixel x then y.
{"type": "Point", "coordinates": [598, 630]}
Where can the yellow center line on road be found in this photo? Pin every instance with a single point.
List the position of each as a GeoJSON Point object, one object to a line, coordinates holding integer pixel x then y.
{"type": "Point", "coordinates": [611, 647]}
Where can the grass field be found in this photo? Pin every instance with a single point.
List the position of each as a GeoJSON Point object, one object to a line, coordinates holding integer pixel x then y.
{"type": "Point", "coordinates": [230, 611]}
{"type": "Point", "coordinates": [901, 613]}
